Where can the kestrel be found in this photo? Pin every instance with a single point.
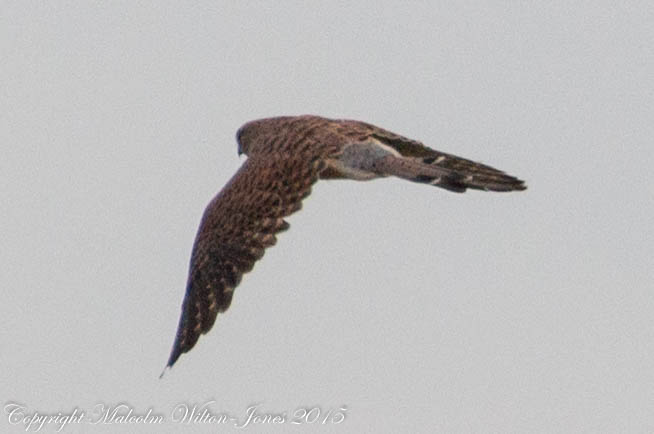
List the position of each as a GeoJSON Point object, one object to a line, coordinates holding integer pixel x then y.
{"type": "Point", "coordinates": [286, 155]}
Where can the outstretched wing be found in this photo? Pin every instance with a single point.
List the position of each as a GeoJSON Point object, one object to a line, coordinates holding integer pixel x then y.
{"type": "Point", "coordinates": [449, 172]}
{"type": "Point", "coordinates": [238, 224]}
{"type": "Point", "coordinates": [420, 163]}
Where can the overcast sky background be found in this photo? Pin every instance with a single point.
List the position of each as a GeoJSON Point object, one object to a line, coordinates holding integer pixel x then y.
{"type": "Point", "coordinates": [417, 309]}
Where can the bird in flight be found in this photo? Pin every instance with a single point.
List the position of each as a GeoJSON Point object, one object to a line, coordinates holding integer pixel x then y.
{"type": "Point", "coordinates": [286, 155]}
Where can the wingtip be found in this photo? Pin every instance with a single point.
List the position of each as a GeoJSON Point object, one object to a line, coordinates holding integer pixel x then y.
{"type": "Point", "coordinates": [171, 361]}
{"type": "Point", "coordinates": [507, 184]}
{"type": "Point", "coordinates": [520, 185]}
{"type": "Point", "coordinates": [174, 355]}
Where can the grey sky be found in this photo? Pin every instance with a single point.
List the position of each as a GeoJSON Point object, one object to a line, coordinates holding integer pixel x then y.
{"type": "Point", "coordinates": [417, 309]}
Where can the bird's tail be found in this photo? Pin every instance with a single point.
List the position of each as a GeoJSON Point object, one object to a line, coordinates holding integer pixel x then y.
{"type": "Point", "coordinates": [449, 172]}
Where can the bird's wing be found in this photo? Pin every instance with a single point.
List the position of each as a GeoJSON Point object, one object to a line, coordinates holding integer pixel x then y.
{"type": "Point", "coordinates": [449, 172]}
{"type": "Point", "coordinates": [423, 164]}
{"type": "Point", "coordinates": [419, 163]}
{"type": "Point", "coordinates": [237, 225]}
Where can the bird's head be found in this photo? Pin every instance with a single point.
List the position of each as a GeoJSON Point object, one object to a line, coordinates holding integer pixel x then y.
{"type": "Point", "coordinates": [250, 134]}
{"type": "Point", "coordinates": [243, 138]}
{"type": "Point", "coordinates": [259, 133]}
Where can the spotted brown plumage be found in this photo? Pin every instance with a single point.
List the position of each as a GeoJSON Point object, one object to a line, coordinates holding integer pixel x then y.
{"type": "Point", "coordinates": [286, 156]}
